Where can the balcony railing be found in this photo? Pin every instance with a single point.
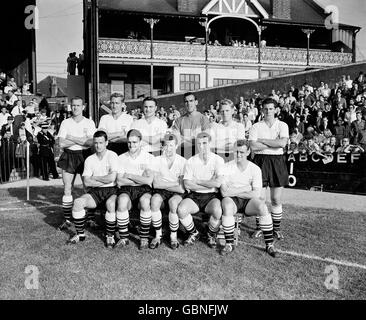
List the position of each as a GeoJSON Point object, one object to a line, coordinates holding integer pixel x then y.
{"type": "Point", "coordinates": [181, 52]}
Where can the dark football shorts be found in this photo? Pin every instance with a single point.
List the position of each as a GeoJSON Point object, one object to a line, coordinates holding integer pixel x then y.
{"type": "Point", "coordinates": [240, 203]}
{"type": "Point", "coordinates": [101, 194]}
{"type": "Point", "coordinates": [274, 170]}
{"type": "Point", "coordinates": [202, 199]}
{"type": "Point", "coordinates": [166, 195]}
{"type": "Point", "coordinates": [73, 161]}
{"type": "Point", "coordinates": [134, 193]}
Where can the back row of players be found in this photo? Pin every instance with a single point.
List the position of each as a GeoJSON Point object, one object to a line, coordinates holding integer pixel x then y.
{"type": "Point", "coordinates": [124, 173]}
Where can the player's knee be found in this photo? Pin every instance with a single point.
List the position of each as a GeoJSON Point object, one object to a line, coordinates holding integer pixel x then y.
{"type": "Point", "coordinates": [145, 203]}
{"type": "Point", "coordinates": [173, 205]}
{"type": "Point", "coordinates": [262, 209]}
{"type": "Point", "coordinates": [155, 203]}
{"type": "Point", "coordinates": [122, 203]}
{"type": "Point", "coordinates": [227, 206]}
{"type": "Point", "coordinates": [79, 204]}
{"type": "Point", "coordinates": [111, 204]}
{"type": "Point", "coordinates": [182, 211]}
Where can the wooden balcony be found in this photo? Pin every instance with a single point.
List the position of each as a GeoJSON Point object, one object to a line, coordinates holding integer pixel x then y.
{"type": "Point", "coordinates": [169, 52]}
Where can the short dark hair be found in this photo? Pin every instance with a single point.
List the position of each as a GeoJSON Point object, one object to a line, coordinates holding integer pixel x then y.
{"type": "Point", "coordinates": [269, 101]}
{"type": "Point", "coordinates": [189, 93]}
{"type": "Point", "coordinates": [134, 133]}
{"type": "Point", "coordinates": [117, 95]}
{"type": "Point", "coordinates": [242, 142]}
{"type": "Point", "coordinates": [203, 135]}
{"type": "Point", "coordinates": [77, 98]}
{"type": "Point", "coordinates": [169, 137]}
{"type": "Point", "coordinates": [100, 133]}
{"type": "Point", "coordinates": [150, 99]}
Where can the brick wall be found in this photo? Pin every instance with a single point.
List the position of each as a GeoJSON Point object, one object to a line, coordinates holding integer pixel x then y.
{"type": "Point", "coordinates": [281, 9]}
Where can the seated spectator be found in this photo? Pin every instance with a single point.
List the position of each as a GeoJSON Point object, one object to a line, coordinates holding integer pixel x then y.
{"type": "Point", "coordinates": [296, 136]}
{"type": "Point", "coordinates": [312, 147]}
{"type": "Point", "coordinates": [333, 143]}
{"type": "Point", "coordinates": [327, 149]}
{"type": "Point", "coordinates": [12, 98]}
{"type": "Point", "coordinates": [26, 88]}
{"type": "Point", "coordinates": [340, 131]}
{"type": "Point", "coordinates": [30, 109]}
{"type": "Point", "coordinates": [17, 109]}
{"type": "Point", "coordinates": [11, 86]}
{"type": "Point", "coordinates": [292, 148]}
{"type": "Point", "coordinates": [346, 147]}
{"type": "Point", "coordinates": [4, 114]}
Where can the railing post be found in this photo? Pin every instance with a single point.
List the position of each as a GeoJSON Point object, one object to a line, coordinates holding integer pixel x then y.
{"type": "Point", "coordinates": [151, 22]}
{"type": "Point", "coordinates": [308, 33]}
{"type": "Point", "coordinates": [27, 153]}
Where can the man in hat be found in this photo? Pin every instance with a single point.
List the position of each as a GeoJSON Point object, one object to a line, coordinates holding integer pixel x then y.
{"type": "Point", "coordinates": [4, 114]}
{"type": "Point", "coordinates": [46, 143]}
{"type": "Point", "coordinates": [8, 126]}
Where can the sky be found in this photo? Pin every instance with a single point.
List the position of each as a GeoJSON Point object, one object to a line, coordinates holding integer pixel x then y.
{"type": "Point", "coordinates": [61, 31]}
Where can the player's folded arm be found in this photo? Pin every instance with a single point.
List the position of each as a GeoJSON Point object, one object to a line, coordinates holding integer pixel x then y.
{"type": "Point", "coordinates": [275, 143]}
{"type": "Point", "coordinates": [90, 182]}
{"type": "Point", "coordinates": [109, 178]}
{"type": "Point", "coordinates": [147, 178]}
{"type": "Point", "coordinates": [123, 181]}
{"type": "Point", "coordinates": [65, 143]}
{"type": "Point", "coordinates": [257, 146]}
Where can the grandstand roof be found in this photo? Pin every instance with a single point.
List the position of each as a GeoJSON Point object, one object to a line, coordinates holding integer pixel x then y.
{"type": "Point", "coordinates": [305, 12]}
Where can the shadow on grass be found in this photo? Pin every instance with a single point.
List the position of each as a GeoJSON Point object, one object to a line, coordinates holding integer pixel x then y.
{"type": "Point", "coordinates": [47, 200]}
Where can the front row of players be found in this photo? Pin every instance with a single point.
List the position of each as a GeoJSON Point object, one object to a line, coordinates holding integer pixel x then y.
{"type": "Point", "coordinates": [203, 183]}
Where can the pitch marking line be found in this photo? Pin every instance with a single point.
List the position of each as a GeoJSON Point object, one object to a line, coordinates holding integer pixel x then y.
{"type": "Point", "coordinates": [311, 257]}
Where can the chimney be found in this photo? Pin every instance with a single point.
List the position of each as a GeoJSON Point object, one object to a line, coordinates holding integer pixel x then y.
{"type": "Point", "coordinates": [281, 9]}
{"type": "Point", "coordinates": [53, 87]}
{"type": "Point", "coordinates": [187, 6]}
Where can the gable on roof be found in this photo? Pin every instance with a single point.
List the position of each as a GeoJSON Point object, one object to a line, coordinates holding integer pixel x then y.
{"type": "Point", "coordinates": [44, 86]}
{"type": "Point", "coordinates": [249, 8]}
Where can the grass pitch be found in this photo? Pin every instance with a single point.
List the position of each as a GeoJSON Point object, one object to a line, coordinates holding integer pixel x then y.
{"type": "Point", "coordinates": [90, 271]}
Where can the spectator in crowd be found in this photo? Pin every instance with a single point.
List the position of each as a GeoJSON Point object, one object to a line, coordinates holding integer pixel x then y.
{"type": "Point", "coordinates": [7, 150]}
{"type": "Point", "coordinates": [72, 61]}
{"type": "Point", "coordinates": [9, 126]}
{"type": "Point", "coordinates": [46, 144]}
{"type": "Point", "coordinates": [346, 147]}
{"type": "Point", "coordinates": [17, 109]}
{"type": "Point", "coordinates": [12, 98]}
{"type": "Point", "coordinates": [356, 127]}
{"type": "Point", "coordinates": [340, 130]}
{"type": "Point", "coordinates": [4, 114]}
{"type": "Point", "coordinates": [30, 110]}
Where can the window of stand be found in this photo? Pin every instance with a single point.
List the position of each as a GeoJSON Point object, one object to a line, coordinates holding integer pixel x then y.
{"type": "Point", "coordinates": [220, 82]}
{"type": "Point", "coordinates": [189, 82]}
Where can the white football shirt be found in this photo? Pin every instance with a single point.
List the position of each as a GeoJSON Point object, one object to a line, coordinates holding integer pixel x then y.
{"type": "Point", "coordinates": [250, 178]}
{"type": "Point", "coordinates": [196, 169]}
{"type": "Point", "coordinates": [85, 127]}
{"type": "Point", "coordinates": [156, 127]}
{"type": "Point", "coordinates": [94, 166]}
{"type": "Point", "coordinates": [261, 130]}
